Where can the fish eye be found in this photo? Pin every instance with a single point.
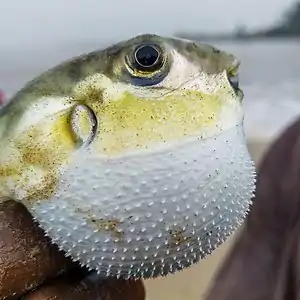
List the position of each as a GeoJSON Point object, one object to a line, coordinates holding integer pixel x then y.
{"type": "Point", "coordinates": [147, 64]}
{"type": "Point", "coordinates": [148, 58]}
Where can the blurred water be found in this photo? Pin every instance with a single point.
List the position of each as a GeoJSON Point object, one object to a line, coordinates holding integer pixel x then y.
{"type": "Point", "coordinates": [270, 77]}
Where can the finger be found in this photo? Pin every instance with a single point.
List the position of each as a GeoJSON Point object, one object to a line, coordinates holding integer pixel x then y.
{"type": "Point", "coordinates": [27, 257]}
{"type": "Point", "coordinates": [91, 288]}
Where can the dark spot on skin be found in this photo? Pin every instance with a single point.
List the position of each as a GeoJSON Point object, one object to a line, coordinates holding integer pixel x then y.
{"type": "Point", "coordinates": [191, 47]}
{"type": "Point", "coordinates": [38, 155]}
{"type": "Point", "coordinates": [215, 50]}
{"type": "Point", "coordinates": [177, 237]}
{"type": "Point", "coordinates": [92, 95]}
{"type": "Point", "coordinates": [109, 225]}
{"type": "Point", "coordinates": [45, 190]}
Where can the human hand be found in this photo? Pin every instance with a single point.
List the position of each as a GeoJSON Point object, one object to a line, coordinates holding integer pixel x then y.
{"type": "Point", "coordinates": [31, 268]}
{"type": "Point", "coordinates": [264, 261]}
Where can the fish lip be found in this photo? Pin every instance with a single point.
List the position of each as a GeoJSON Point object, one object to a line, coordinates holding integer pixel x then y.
{"type": "Point", "coordinates": [240, 94]}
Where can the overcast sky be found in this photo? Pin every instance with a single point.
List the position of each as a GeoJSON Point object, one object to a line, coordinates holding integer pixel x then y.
{"type": "Point", "coordinates": [53, 21]}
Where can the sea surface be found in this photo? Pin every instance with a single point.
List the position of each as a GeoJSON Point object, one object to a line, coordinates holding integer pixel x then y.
{"type": "Point", "coordinates": [269, 77]}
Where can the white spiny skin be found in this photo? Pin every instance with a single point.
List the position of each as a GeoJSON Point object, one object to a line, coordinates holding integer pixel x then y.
{"type": "Point", "coordinates": [205, 193]}
{"type": "Point", "coordinates": [131, 180]}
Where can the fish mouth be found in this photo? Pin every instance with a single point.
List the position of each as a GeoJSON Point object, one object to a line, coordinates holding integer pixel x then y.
{"type": "Point", "coordinates": [233, 78]}
{"type": "Point", "coordinates": [240, 94]}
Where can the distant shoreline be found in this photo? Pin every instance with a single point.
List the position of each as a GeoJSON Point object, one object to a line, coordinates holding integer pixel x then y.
{"type": "Point", "coordinates": [242, 39]}
{"type": "Point", "coordinates": [286, 29]}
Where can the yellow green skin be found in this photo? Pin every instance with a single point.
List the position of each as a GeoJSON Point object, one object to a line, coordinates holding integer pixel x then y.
{"type": "Point", "coordinates": [131, 180]}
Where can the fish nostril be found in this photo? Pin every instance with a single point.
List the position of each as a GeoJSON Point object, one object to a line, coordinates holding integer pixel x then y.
{"type": "Point", "coordinates": [84, 124]}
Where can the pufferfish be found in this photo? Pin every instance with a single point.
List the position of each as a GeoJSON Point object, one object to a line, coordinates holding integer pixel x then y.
{"type": "Point", "coordinates": [133, 159]}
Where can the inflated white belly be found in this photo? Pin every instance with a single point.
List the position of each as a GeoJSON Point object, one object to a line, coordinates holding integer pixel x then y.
{"type": "Point", "coordinates": [149, 214]}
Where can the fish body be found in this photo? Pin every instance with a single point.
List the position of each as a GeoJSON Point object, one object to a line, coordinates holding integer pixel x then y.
{"type": "Point", "coordinates": [133, 159]}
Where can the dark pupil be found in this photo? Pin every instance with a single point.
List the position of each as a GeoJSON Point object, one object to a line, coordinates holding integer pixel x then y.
{"type": "Point", "coordinates": [146, 56]}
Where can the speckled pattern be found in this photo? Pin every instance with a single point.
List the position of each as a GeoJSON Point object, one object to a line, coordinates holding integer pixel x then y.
{"type": "Point", "coordinates": [139, 219]}
{"type": "Point", "coordinates": [131, 180]}
{"type": "Point", "coordinates": [60, 80]}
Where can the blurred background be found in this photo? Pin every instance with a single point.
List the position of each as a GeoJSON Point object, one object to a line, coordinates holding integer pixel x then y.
{"type": "Point", "coordinates": [35, 35]}
{"type": "Point", "coordinates": [264, 34]}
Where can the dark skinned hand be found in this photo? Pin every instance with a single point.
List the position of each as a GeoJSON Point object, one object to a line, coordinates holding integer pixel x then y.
{"type": "Point", "coordinates": [31, 268]}
{"type": "Point", "coordinates": [264, 262]}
